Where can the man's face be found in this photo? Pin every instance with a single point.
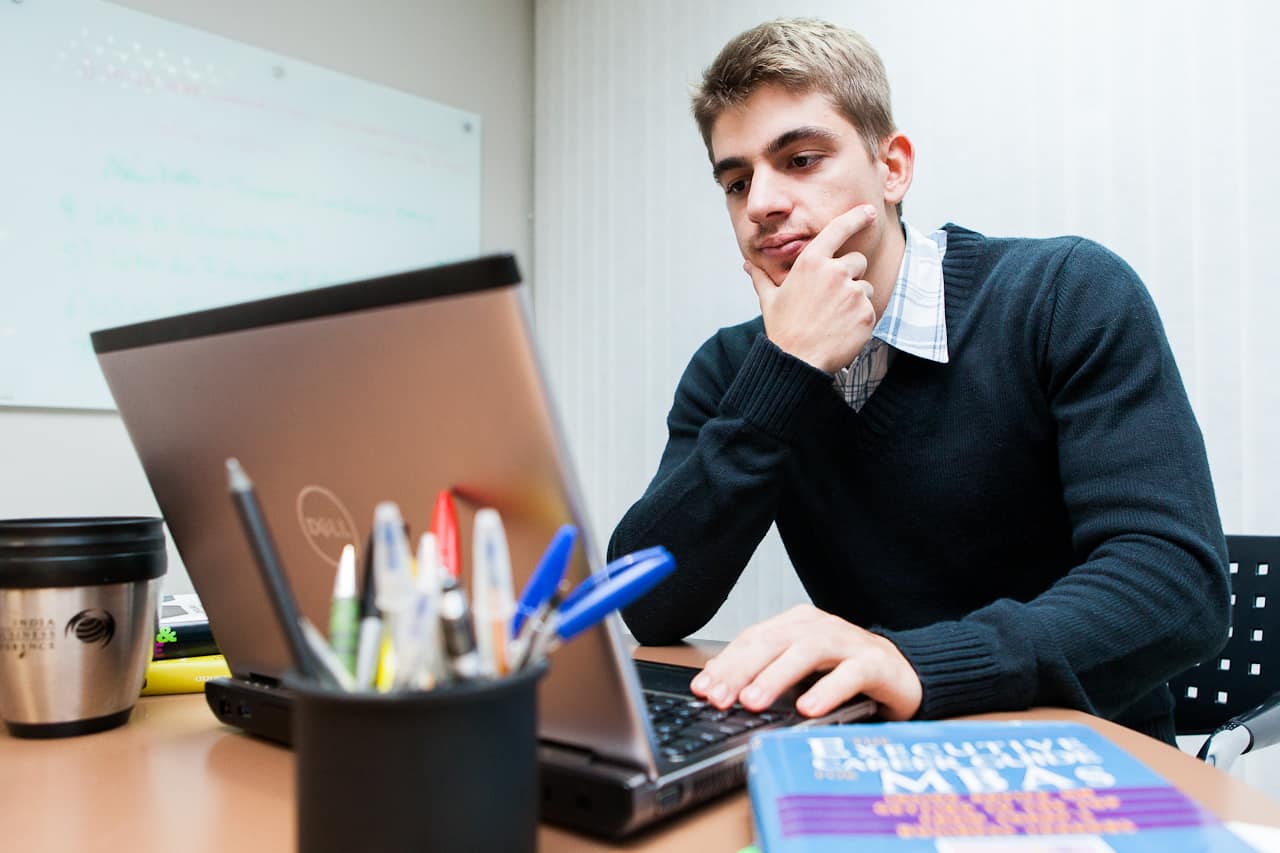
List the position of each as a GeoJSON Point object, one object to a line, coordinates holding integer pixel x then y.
{"type": "Point", "coordinates": [788, 165]}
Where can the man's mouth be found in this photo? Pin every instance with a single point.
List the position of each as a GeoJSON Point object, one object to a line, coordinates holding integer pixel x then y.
{"type": "Point", "coordinates": [783, 247]}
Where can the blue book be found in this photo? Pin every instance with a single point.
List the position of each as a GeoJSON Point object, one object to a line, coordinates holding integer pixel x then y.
{"type": "Point", "coordinates": [967, 787]}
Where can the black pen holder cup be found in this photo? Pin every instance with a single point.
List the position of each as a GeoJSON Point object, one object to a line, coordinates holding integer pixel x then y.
{"type": "Point", "coordinates": [451, 769]}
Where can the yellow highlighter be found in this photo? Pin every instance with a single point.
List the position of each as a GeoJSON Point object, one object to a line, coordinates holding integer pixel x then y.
{"type": "Point", "coordinates": [386, 666]}
{"type": "Point", "coordinates": [183, 675]}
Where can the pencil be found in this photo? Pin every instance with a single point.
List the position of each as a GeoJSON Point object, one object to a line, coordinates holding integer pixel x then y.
{"type": "Point", "coordinates": [264, 551]}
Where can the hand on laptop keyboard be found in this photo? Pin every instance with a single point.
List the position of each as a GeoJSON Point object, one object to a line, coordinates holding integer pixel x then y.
{"type": "Point", "coordinates": [770, 656]}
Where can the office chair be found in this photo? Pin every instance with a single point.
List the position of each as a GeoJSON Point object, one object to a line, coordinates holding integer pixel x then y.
{"type": "Point", "coordinates": [1232, 696]}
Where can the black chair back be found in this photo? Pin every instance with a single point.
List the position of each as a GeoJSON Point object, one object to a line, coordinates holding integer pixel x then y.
{"type": "Point", "coordinates": [1247, 671]}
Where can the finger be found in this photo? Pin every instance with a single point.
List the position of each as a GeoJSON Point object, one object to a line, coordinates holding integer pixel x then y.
{"type": "Point", "coordinates": [837, 231]}
{"type": "Point", "coordinates": [702, 683]}
{"type": "Point", "coordinates": [800, 658]}
{"type": "Point", "coordinates": [869, 291]}
{"type": "Point", "coordinates": [760, 281]}
{"type": "Point", "coordinates": [855, 264]}
{"type": "Point", "coordinates": [723, 677]}
{"type": "Point", "coordinates": [880, 671]}
{"type": "Point", "coordinates": [833, 689]}
{"type": "Point", "coordinates": [712, 683]}
{"type": "Point", "coordinates": [725, 684]}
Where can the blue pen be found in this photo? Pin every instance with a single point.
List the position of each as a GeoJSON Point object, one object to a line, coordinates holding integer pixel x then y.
{"type": "Point", "coordinates": [577, 614]}
{"type": "Point", "coordinates": [546, 576]}
{"type": "Point", "coordinates": [611, 571]}
{"type": "Point", "coordinates": [601, 598]}
{"type": "Point", "coordinates": [534, 638]}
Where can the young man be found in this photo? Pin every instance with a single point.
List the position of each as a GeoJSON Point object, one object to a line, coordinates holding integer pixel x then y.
{"type": "Point", "coordinates": [978, 452]}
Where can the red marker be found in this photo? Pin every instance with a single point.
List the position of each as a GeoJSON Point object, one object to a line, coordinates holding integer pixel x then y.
{"type": "Point", "coordinates": [444, 524]}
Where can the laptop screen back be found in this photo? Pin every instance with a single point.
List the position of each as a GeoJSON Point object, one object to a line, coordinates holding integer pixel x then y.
{"type": "Point", "coordinates": [336, 399]}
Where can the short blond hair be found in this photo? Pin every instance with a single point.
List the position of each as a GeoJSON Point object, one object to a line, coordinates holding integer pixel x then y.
{"type": "Point", "coordinates": [802, 55]}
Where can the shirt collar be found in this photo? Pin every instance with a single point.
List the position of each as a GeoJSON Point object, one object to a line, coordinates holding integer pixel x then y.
{"type": "Point", "coordinates": [915, 320]}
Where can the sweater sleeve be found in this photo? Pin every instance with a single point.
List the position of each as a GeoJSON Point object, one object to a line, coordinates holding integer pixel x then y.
{"type": "Point", "coordinates": [715, 493]}
{"type": "Point", "coordinates": [1149, 596]}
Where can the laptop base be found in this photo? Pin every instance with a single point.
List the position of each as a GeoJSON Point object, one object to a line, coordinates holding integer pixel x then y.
{"type": "Point", "coordinates": [606, 799]}
{"type": "Point", "coordinates": [262, 710]}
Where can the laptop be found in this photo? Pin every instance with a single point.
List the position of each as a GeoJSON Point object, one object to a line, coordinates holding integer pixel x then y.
{"type": "Point", "coordinates": [393, 388]}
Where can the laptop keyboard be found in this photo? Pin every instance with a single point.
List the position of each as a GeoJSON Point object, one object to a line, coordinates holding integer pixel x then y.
{"type": "Point", "coordinates": [685, 726]}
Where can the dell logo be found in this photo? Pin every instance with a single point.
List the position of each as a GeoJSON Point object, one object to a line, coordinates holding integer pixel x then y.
{"type": "Point", "coordinates": [329, 528]}
{"type": "Point", "coordinates": [326, 524]}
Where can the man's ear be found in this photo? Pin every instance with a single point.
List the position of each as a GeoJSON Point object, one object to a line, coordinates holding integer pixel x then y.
{"type": "Point", "coordinates": [898, 158]}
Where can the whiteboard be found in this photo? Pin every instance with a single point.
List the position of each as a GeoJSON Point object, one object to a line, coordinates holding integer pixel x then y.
{"type": "Point", "coordinates": [150, 168]}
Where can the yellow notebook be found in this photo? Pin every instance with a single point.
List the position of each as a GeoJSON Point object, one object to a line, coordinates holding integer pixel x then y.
{"type": "Point", "coordinates": [182, 675]}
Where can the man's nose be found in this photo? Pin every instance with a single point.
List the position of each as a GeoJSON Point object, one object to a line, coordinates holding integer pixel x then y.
{"type": "Point", "coordinates": [767, 197]}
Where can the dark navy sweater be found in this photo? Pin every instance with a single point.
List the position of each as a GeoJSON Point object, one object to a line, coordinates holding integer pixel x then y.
{"type": "Point", "coordinates": [1032, 523]}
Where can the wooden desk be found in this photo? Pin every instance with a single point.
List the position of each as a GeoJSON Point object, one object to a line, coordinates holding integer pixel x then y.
{"type": "Point", "coordinates": [176, 779]}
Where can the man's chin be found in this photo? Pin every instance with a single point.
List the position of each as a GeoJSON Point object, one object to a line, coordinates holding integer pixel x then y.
{"type": "Point", "coordinates": [777, 272]}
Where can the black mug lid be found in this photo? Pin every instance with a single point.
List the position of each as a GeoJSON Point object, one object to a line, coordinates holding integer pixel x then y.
{"type": "Point", "coordinates": [82, 551]}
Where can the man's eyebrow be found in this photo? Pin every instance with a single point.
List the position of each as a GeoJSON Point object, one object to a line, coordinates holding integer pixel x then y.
{"type": "Point", "coordinates": [784, 140]}
{"type": "Point", "coordinates": [726, 165]}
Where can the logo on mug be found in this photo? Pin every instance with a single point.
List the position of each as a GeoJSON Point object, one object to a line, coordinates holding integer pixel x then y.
{"type": "Point", "coordinates": [325, 522]}
{"type": "Point", "coordinates": [92, 626]}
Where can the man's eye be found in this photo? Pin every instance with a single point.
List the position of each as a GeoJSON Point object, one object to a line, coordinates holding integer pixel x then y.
{"type": "Point", "coordinates": [801, 161]}
{"type": "Point", "coordinates": [735, 187]}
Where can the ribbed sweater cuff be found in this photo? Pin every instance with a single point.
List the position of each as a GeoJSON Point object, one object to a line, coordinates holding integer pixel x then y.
{"type": "Point", "coordinates": [775, 391]}
{"type": "Point", "coordinates": [956, 667]}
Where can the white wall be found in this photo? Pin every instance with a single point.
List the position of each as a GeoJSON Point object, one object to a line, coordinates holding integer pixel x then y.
{"type": "Point", "coordinates": [1149, 126]}
{"type": "Point", "coordinates": [476, 56]}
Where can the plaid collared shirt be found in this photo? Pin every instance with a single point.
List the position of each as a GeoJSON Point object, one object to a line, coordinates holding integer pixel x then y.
{"type": "Point", "coordinates": [914, 321]}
